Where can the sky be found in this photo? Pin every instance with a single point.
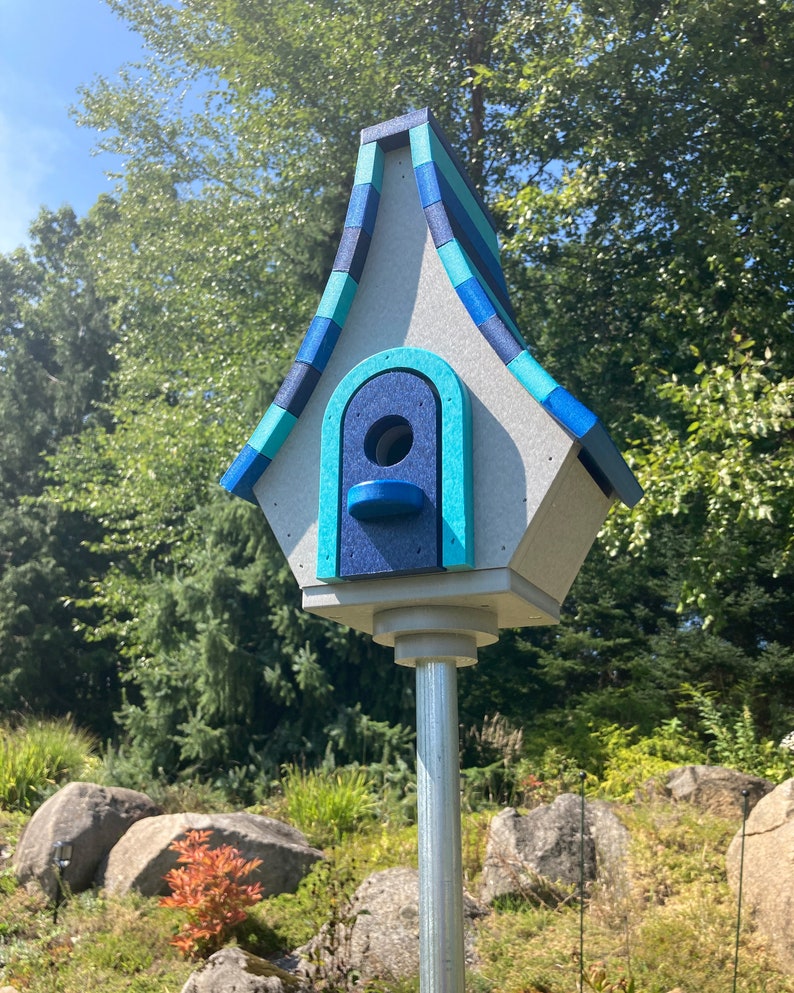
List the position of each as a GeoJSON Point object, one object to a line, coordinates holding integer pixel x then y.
{"type": "Point", "coordinates": [48, 48]}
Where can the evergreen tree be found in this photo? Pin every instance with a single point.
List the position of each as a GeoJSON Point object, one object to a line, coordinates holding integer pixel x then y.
{"type": "Point", "coordinates": [55, 357]}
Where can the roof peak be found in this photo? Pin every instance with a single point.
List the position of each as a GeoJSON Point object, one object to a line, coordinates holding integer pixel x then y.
{"type": "Point", "coordinates": [463, 233]}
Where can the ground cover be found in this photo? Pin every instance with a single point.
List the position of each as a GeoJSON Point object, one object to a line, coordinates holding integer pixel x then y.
{"type": "Point", "coordinates": [673, 929]}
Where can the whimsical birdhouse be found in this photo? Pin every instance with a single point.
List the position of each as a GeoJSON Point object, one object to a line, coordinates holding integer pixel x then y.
{"type": "Point", "coordinates": [417, 457]}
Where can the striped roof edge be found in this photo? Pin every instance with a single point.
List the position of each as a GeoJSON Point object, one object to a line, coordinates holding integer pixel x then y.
{"type": "Point", "coordinates": [464, 235]}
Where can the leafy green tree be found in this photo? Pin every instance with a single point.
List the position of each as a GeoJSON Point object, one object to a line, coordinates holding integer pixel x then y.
{"type": "Point", "coordinates": [659, 222]}
{"type": "Point", "coordinates": [651, 246]}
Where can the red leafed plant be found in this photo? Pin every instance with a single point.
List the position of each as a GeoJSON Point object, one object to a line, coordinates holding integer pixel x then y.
{"type": "Point", "coordinates": [208, 887]}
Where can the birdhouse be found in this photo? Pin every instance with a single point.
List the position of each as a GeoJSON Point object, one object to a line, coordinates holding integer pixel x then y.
{"type": "Point", "coordinates": [418, 466]}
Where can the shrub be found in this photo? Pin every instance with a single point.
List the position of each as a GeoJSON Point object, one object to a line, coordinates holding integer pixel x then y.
{"type": "Point", "coordinates": [208, 886]}
{"type": "Point", "coordinates": [36, 757]}
{"type": "Point", "coordinates": [629, 764]}
{"type": "Point", "coordinates": [736, 743]}
{"type": "Point", "coordinates": [327, 805]}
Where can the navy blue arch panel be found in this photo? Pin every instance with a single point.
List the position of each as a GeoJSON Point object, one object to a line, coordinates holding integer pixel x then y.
{"type": "Point", "coordinates": [500, 338]}
{"type": "Point", "coordinates": [390, 478]}
{"type": "Point", "coordinates": [463, 232]}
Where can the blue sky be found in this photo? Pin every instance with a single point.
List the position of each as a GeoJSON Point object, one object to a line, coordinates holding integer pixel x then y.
{"type": "Point", "coordinates": [47, 49]}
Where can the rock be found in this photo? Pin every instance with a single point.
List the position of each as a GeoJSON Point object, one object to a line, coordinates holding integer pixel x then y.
{"type": "Point", "coordinates": [768, 875]}
{"type": "Point", "coordinates": [231, 970]}
{"type": "Point", "coordinates": [611, 838]}
{"type": "Point", "coordinates": [716, 790]}
{"type": "Point", "coordinates": [539, 855]}
{"type": "Point", "coordinates": [382, 939]}
{"type": "Point", "coordinates": [142, 857]}
{"type": "Point", "coordinates": [92, 818]}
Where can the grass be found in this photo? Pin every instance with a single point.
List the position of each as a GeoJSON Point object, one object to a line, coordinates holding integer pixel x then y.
{"type": "Point", "coordinates": [326, 806]}
{"type": "Point", "coordinates": [672, 929]}
{"type": "Point", "coordinates": [97, 944]}
{"type": "Point", "coordinates": [38, 755]}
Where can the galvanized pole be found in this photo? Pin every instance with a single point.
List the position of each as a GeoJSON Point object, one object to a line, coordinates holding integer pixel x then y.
{"type": "Point", "coordinates": [437, 641]}
{"type": "Point", "coordinates": [441, 967]}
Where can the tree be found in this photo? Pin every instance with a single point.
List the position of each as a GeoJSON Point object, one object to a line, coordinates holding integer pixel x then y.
{"type": "Point", "coordinates": [639, 176]}
{"type": "Point", "coordinates": [55, 358]}
{"type": "Point", "coordinates": [659, 221]}
{"type": "Point", "coordinates": [238, 171]}
{"type": "Point", "coordinates": [653, 250]}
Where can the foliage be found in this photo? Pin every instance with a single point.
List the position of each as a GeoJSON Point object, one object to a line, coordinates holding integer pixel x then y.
{"type": "Point", "coordinates": [55, 360]}
{"type": "Point", "coordinates": [208, 887]}
{"type": "Point", "coordinates": [596, 978]}
{"type": "Point", "coordinates": [329, 954]}
{"type": "Point", "coordinates": [100, 943]}
{"type": "Point", "coordinates": [38, 755]}
{"type": "Point", "coordinates": [731, 469]}
{"type": "Point", "coordinates": [641, 184]}
{"type": "Point", "coordinates": [650, 240]}
{"type": "Point", "coordinates": [489, 753]}
{"type": "Point", "coordinates": [629, 763]}
{"type": "Point", "coordinates": [734, 740]}
{"type": "Point", "coordinates": [328, 805]}
{"type": "Point", "coordinates": [236, 679]}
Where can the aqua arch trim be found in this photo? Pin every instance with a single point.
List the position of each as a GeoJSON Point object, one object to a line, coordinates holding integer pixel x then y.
{"type": "Point", "coordinates": [454, 447]}
{"type": "Point", "coordinates": [464, 236]}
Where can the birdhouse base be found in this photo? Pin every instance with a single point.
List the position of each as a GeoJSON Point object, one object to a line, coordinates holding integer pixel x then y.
{"type": "Point", "coordinates": [471, 605]}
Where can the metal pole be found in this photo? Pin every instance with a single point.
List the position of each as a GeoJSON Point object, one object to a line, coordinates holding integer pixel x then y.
{"type": "Point", "coordinates": [441, 968]}
{"type": "Point", "coordinates": [437, 640]}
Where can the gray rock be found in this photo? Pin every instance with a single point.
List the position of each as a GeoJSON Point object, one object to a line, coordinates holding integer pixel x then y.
{"type": "Point", "coordinates": [92, 818]}
{"type": "Point", "coordinates": [768, 875]}
{"type": "Point", "coordinates": [142, 857]}
{"type": "Point", "coordinates": [539, 855]}
{"type": "Point", "coordinates": [231, 970]}
{"type": "Point", "coordinates": [382, 939]}
{"type": "Point", "coordinates": [715, 789]}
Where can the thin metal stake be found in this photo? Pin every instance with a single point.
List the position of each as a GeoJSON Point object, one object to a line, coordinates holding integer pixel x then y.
{"type": "Point", "coordinates": [582, 776]}
{"type": "Point", "coordinates": [745, 794]}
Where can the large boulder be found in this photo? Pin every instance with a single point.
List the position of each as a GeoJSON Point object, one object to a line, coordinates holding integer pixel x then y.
{"type": "Point", "coordinates": [768, 873]}
{"type": "Point", "coordinates": [231, 970]}
{"type": "Point", "coordinates": [540, 855]}
{"type": "Point", "coordinates": [716, 790]}
{"type": "Point", "coordinates": [142, 857]}
{"type": "Point", "coordinates": [92, 818]}
{"type": "Point", "coordinates": [378, 937]}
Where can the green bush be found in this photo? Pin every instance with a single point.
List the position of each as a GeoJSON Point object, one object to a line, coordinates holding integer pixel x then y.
{"type": "Point", "coordinates": [629, 763]}
{"type": "Point", "coordinates": [734, 740]}
{"type": "Point", "coordinates": [328, 805]}
{"type": "Point", "coordinates": [36, 757]}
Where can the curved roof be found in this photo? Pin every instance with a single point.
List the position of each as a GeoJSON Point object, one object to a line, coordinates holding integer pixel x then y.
{"type": "Point", "coordinates": [464, 236]}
